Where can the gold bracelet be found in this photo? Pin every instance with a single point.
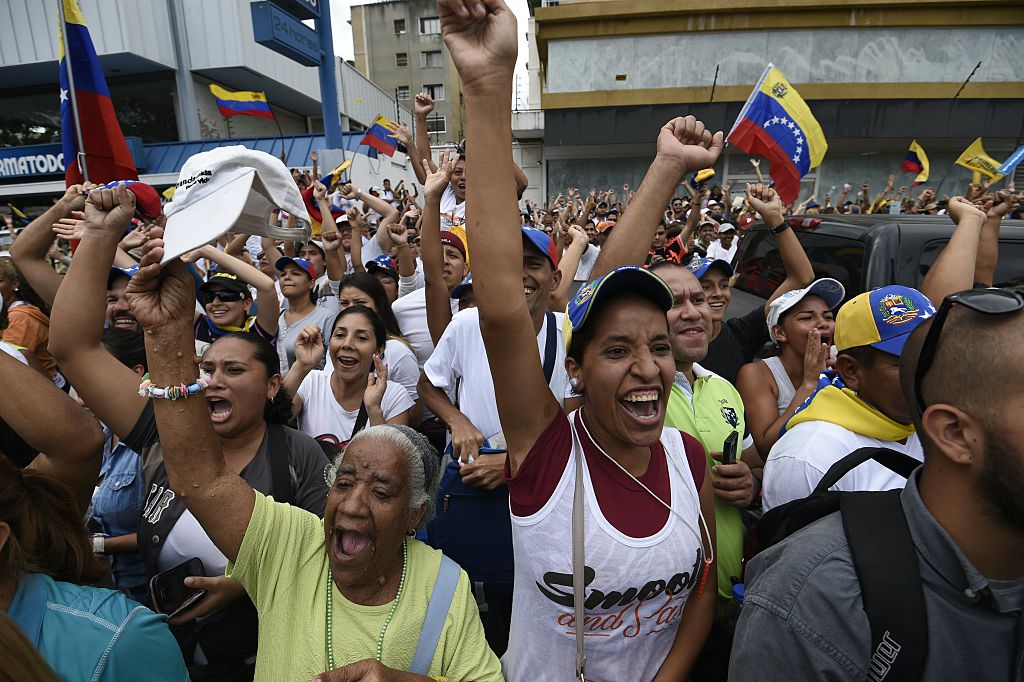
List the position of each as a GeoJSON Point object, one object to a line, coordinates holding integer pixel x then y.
{"type": "Point", "coordinates": [398, 246]}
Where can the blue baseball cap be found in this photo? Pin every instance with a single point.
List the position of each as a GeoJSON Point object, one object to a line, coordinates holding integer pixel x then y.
{"type": "Point", "coordinates": [629, 278]}
{"type": "Point", "coordinates": [543, 243]}
{"type": "Point", "coordinates": [383, 262]}
{"type": "Point", "coordinates": [700, 266]}
{"type": "Point", "coordinates": [883, 318]}
{"type": "Point", "coordinates": [302, 263]}
{"type": "Point", "coordinates": [463, 286]}
{"type": "Point", "coordinates": [116, 272]}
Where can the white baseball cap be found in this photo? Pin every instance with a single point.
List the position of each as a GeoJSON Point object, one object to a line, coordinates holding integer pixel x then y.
{"type": "Point", "coordinates": [831, 291]}
{"type": "Point", "coordinates": [726, 227]}
{"type": "Point", "coordinates": [231, 189]}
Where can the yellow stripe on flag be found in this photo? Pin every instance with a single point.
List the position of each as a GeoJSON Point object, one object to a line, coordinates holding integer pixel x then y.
{"type": "Point", "coordinates": [237, 96]}
{"type": "Point", "coordinates": [776, 86]}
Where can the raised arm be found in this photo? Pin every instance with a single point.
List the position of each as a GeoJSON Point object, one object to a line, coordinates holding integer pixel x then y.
{"type": "Point", "coordinates": [68, 438]}
{"type": "Point", "coordinates": [439, 307]}
{"type": "Point", "coordinates": [953, 270]}
{"type": "Point", "coordinates": [568, 264]}
{"type": "Point", "coordinates": [756, 163]}
{"type": "Point", "coordinates": [422, 107]}
{"type": "Point", "coordinates": [29, 250]}
{"type": "Point", "coordinates": [683, 147]}
{"type": "Point", "coordinates": [163, 300]}
{"type": "Point", "coordinates": [108, 388]}
{"type": "Point", "coordinates": [483, 46]}
{"type": "Point", "coordinates": [799, 272]}
{"type": "Point", "coordinates": [309, 351]}
{"type": "Point", "coordinates": [988, 247]}
{"type": "Point", "coordinates": [404, 135]}
{"type": "Point", "coordinates": [266, 294]}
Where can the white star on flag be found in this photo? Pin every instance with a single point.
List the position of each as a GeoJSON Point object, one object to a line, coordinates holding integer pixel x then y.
{"type": "Point", "coordinates": [63, 95]}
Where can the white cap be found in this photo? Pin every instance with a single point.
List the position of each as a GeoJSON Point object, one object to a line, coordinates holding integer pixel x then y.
{"type": "Point", "coordinates": [726, 227]}
{"type": "Point", "coordinates": [230, 189]}
{"type": "Point", "coordinates": [737, 202]}
{"type": "Point", "coordinates": [831, 291]}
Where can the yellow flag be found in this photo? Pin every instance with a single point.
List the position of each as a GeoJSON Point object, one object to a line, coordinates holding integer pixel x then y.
{"type": "Point", "coordinates": [976, 159]}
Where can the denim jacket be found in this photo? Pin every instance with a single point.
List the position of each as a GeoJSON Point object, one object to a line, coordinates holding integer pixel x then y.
{"type": "Point", "coordinates": [115, 506]}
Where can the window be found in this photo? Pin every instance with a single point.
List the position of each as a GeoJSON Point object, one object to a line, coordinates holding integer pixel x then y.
{"type": "Point", "coordinates": [436, 92]}
{"type": "Point", "coordinates": [437, 124]}
{"type": "Point", "coordinates": [761, 271]}
{"type": "Point", "coordinates": [399, 26]}
{"type": "Point", "coordinates": [1009, 270]}
{"type": "Point", "coordinates": [402, 93]}
{"type": "Point", "coordinates": [401, 59]}
{"type": "Point", "coordinates": [430, 26]}
{"type": "Point", "coordinates": [431, 60]}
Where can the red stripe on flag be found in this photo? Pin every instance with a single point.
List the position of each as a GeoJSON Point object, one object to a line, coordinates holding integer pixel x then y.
{"type": "Point", "coordinates": [379, 144]}
{"type": "Point", "coordinates": [107, 153]}
{"type": "Point", "coordinates": [753, 139]}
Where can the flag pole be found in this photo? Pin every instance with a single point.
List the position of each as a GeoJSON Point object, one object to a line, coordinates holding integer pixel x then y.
{"type": "Point", "coordinates": [71, 93]}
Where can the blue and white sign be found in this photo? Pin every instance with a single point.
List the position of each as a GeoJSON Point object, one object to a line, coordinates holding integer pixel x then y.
{"type": "Point", "coordinates": [303, 9]}
{"type": "Point", "coordinates": [1012, 162]}
{"type": "Point", "coordinates": [40, 159]}
{"type": "Point", "coordinates": [274, 28]}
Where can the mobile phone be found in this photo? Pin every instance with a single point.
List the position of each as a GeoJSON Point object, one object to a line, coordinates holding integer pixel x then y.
{"type": "Point", "coordinates": [169, 592]}
{"type": "Point", "coordinates": [732, 441]}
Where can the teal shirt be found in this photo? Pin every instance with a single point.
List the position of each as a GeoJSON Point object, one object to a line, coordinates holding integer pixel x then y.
{"type": "Point", "coordinates": [89, 633]}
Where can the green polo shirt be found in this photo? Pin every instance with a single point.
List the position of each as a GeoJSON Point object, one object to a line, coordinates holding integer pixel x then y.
{"type": "Point", "coordinates": [716, 410]}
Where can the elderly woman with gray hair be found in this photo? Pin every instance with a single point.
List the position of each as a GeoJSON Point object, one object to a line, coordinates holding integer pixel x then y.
{"type": "Point", "coordinates": [349, 597]}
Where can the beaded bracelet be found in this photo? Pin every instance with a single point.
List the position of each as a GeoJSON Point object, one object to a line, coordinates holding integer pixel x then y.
{"type": "Point", "coordinates": [148, 390]}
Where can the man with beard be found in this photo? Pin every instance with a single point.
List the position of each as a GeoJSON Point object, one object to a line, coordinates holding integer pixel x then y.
{"type": "Point", "coordinates": [802, 616]}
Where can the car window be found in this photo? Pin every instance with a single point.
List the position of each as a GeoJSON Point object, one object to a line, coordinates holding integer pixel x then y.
{"type": "Point", "coordinates": [1009, 269]}
{"type": "Point", "coordinates": [761, 270]}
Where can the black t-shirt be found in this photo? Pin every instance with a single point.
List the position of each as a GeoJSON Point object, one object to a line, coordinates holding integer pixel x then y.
{"type": "Point", "coordinates": [737, 344]}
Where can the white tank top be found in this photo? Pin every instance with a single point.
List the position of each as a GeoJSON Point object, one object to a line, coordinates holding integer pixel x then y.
{"type": "Point", "coordinates": [782, 382]}
{"type": "Point", "coordinates": [631, 619]}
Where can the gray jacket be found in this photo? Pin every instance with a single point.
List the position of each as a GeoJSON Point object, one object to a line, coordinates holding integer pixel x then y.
{"type": "Point", "coordinates": [803, 618]}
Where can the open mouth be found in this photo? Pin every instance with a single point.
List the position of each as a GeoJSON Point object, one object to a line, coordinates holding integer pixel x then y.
{"type": "Point", "coordinates": [125, 322]}
{"type": "Point", "coordinates": [347, 361]}
{"type": "Point", "coordinates": [643, 406]}
{"type": "Point", "coordinates": [528, 290]}
{"type": "Point", "coordinates": [220, 410]}
{"type": "Point", "coordinates": [692, 332]}
{"type": "Point", "coordinates": [349, 544]}
{"type": "Point", "coordinates": [716, 305]}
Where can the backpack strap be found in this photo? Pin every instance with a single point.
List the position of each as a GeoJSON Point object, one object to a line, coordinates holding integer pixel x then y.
{"type": "Point", "coordinates": [550, 347]}
{"type": "Point", "coordinates": [361, 419]}
{"type": "Point", "coordinates": [894, 461]}
{"type": "Point", "coordinates": [437, 612]}
{"type": "Point", "coordinates": [578, 567]}
{"type": "Point", "coordinates": [885, 559]}
{"type": "Point", "coordinates": [280, 476]}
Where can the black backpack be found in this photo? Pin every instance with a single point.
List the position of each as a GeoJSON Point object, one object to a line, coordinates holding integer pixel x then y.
{"type": "Point", "coordinates": [884, 557]}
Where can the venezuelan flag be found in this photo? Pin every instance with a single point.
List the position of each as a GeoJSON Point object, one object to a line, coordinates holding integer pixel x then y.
{"type": "Point", "coordinates": [916, 161]}
{"type": "Point", "coordinates": [379, 136]}
{"type": "Point", "coordinates": [106, 152]}
{"type": "Point", "coordinates": [331, 181]}
{"type": "Point", "coordinates": [777, 124]}
{"type": "Point", "coordinates": [241, 103]}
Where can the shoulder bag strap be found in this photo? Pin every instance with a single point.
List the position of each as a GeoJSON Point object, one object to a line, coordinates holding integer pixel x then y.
{"type": "Point", "coordinates": [550, 348]}
{"type": "Point", "coordinates": [885, 558]}
{"type": "Point", "coordinates": [361, 420]}
{"type": "Point", "coordinates": [577, 562]}
{"type": "Point", "coordinates": [280, 477]}
{"type": "Point", "coordinates": [897, 462]}
{"type": "Point", "coordinates": [437, 612]}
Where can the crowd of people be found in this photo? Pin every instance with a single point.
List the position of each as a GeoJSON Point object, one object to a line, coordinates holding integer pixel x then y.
{"type": "Point", "coordinates": [452, 434]}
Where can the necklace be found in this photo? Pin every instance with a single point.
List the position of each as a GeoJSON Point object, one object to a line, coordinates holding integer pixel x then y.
{"type": "Point", "coordinates": [709, 556]}
{"type": "Point", "coordinates": [387, 621]}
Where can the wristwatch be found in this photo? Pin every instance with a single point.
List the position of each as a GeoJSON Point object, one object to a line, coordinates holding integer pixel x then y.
{"type": "Point", "coordinates": [99, 544]}
{"type": "Point", "coordinates": [776, 231]}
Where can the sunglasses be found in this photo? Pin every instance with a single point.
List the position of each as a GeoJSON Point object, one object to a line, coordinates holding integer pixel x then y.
{"type": "Point", "coordinates": [223, 296]}
{"type": "Point", "coordinates": [986, 301]}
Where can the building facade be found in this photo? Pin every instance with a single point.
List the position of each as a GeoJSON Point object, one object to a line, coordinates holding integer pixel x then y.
{"type": "Point", "coordinates": [875, 73]}
{"type": "Point", "coordinates": [398, 45]}
{"type": "Point", "coordinates": [158, 55]}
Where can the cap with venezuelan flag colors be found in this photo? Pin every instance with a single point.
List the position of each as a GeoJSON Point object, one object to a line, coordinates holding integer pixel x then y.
{"type": "Point", "coordinates": [882, 318]}
{"type": "Point", "coordinates": [543, 243]}
{"type": "Point", "coordinates": [592, 295]}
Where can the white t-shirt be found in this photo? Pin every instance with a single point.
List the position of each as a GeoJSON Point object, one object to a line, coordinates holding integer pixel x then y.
{"type": "Point", "coordinates": [461, 355]}
{"type": "Point", "coordinates": [716, 250]}
{"type": "Point", "coordinates": [322, 414]}
{"type": "Point", "coordinates": [411, 312]}
{"type": "Point", "coordinates": [402, 366]}
{"type": "Point", "coordinates": [799, 460]}
{"type": "Point", "coordinates": [587, 261]}
{"type": "Point", "coordinates": [452, 212]}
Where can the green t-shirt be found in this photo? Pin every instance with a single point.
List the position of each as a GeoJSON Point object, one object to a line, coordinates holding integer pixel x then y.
{"type": "Point", "coordinates": [283, 565]}
{"type": "Point", "coordinates": [717, 411]}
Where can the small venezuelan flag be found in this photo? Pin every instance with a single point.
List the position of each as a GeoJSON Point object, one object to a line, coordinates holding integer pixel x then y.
{"type": "Point", "coordinates": [379, 136]}
{"type": "Point", "coordinates": [916, 161]}
{"type": "Point", "coordinates": [241, 103]}
{"type": "Point", "coordinates": [776, 123]}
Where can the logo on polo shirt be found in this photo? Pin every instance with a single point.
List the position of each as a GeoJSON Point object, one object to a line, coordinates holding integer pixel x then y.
{"type": "Point", "coordinates": [730, 416]}
{"type": "Point", "coordinates": [897, 309]}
